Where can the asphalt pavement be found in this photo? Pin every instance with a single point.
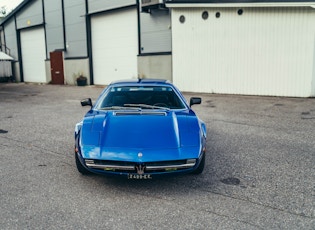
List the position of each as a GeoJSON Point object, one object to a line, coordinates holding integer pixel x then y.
{"type": "Point", "coordinates": [259, 171]}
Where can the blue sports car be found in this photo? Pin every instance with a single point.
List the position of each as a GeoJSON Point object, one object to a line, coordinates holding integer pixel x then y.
{"type": "Point", "coordinates": [140, 129]}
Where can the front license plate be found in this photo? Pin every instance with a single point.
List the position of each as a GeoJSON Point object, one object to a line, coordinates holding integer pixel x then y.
{"type": "Point", "coordinates": [139, 177]}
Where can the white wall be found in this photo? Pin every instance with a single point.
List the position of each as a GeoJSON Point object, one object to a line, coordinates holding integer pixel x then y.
{"type": "Point", "coordinates": [264, 51]}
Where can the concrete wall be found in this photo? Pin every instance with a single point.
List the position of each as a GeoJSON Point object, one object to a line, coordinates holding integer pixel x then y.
{"type": "Point", "coordinates": [48, 72]}
{"type": "Point", "coordinates": [155, 67]}
{"type": "Point", "coordinates": [16, 71]}
{"type": "Point", "coordinates": [73, 67]}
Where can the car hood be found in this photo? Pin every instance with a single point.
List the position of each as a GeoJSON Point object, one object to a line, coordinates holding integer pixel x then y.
{"type": "Point", "coordinates": [146, 130]}
{"type": "Point", "coordinates": [123, 135]}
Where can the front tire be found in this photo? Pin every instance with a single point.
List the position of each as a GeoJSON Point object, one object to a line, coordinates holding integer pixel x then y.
{"type": "Point", "coordinates": [80, 167]}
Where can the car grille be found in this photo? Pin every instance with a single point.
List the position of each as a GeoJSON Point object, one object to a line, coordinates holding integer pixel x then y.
{"type": "Point", "coordinates": [149, 167]}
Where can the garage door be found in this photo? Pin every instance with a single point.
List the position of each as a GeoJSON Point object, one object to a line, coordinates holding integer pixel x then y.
{"type": "Point", "coordinates": [114, 46]}
{"type": "Point", "coordinates": [33, 55]}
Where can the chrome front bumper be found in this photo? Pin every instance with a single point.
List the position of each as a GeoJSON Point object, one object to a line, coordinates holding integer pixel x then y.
{"type": "Point", "coordinates": [117, 166]}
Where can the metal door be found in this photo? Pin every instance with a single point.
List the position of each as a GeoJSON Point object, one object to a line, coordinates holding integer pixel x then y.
{"type": "Point", "coordinates": [56, 68]}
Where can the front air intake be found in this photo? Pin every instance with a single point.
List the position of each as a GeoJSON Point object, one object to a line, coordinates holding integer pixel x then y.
{"type": "Point", "coordinates": [140, 113]}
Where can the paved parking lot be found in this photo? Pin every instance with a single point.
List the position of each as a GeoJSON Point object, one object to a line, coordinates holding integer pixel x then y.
{"type": "Point", "coordinates": [259, 171]}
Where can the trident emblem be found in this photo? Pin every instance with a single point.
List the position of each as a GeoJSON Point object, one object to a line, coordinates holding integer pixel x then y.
{"type": "Point", "coordinates": [140, 169]}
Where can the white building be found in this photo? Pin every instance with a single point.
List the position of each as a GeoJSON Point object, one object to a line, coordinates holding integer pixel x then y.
{"type": "Point", "coordinates": [244, 47]}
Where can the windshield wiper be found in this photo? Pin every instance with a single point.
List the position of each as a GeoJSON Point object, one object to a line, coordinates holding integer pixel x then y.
{"type": "Point", "coordinates": [145, 106]}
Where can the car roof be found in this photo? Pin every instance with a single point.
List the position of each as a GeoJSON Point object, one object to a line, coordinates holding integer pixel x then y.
{"type": "Point", "coordinates": [141, 82]}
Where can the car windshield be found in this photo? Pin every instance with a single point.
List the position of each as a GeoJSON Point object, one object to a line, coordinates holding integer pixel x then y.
{"type": "Point", "coordinates": [140, 97]}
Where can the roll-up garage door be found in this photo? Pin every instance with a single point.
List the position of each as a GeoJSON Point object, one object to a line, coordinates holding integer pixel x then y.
{"type": "Point", "coordinates": [114, 46]}
{"type": "Point", "coordinates": [33, 55]}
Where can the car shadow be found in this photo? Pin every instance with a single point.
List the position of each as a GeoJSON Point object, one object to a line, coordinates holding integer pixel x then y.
{"type": "Point", "coordinates": [208, 181]}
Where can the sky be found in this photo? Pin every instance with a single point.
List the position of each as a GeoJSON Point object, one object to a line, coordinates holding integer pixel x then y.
{"type": "Point", "coordinates": [10, 4]}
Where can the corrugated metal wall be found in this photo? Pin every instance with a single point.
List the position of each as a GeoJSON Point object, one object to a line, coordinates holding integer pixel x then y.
{"type": "Point", "coordinates": [31, 15]}
{"type": "Point", "coordinates": [10, 38]}
{"type": "Point", "coordinates": [75, 27]}
{"type": "Point", "coordinates": [263, 51]}
{"type": "Point", "coordinates": [2, 39]}
{"type": "Point", "coordinates": [103, 5]}
{"type": "Point", "coordinates": [156, 32]}
{"type": "Point", "coordinates": [54, 25]}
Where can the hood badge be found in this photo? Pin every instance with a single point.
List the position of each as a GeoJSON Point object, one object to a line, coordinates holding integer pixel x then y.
{"type": "Point", "coordinates": [140, 169]}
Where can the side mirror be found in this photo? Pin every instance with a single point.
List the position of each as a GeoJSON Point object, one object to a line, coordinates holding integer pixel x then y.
{"type": "Point", "coordinates": [86, 102]}
{"type": "Point", "coordinates": [194, 101]}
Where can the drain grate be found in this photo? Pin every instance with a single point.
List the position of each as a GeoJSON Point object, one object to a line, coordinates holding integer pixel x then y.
{"type": "Point", "coordinates": [231, 181]}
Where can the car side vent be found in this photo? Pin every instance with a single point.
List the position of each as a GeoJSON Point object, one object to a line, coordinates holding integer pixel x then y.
{"type": "Point", "coordinates": [139, 113]}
